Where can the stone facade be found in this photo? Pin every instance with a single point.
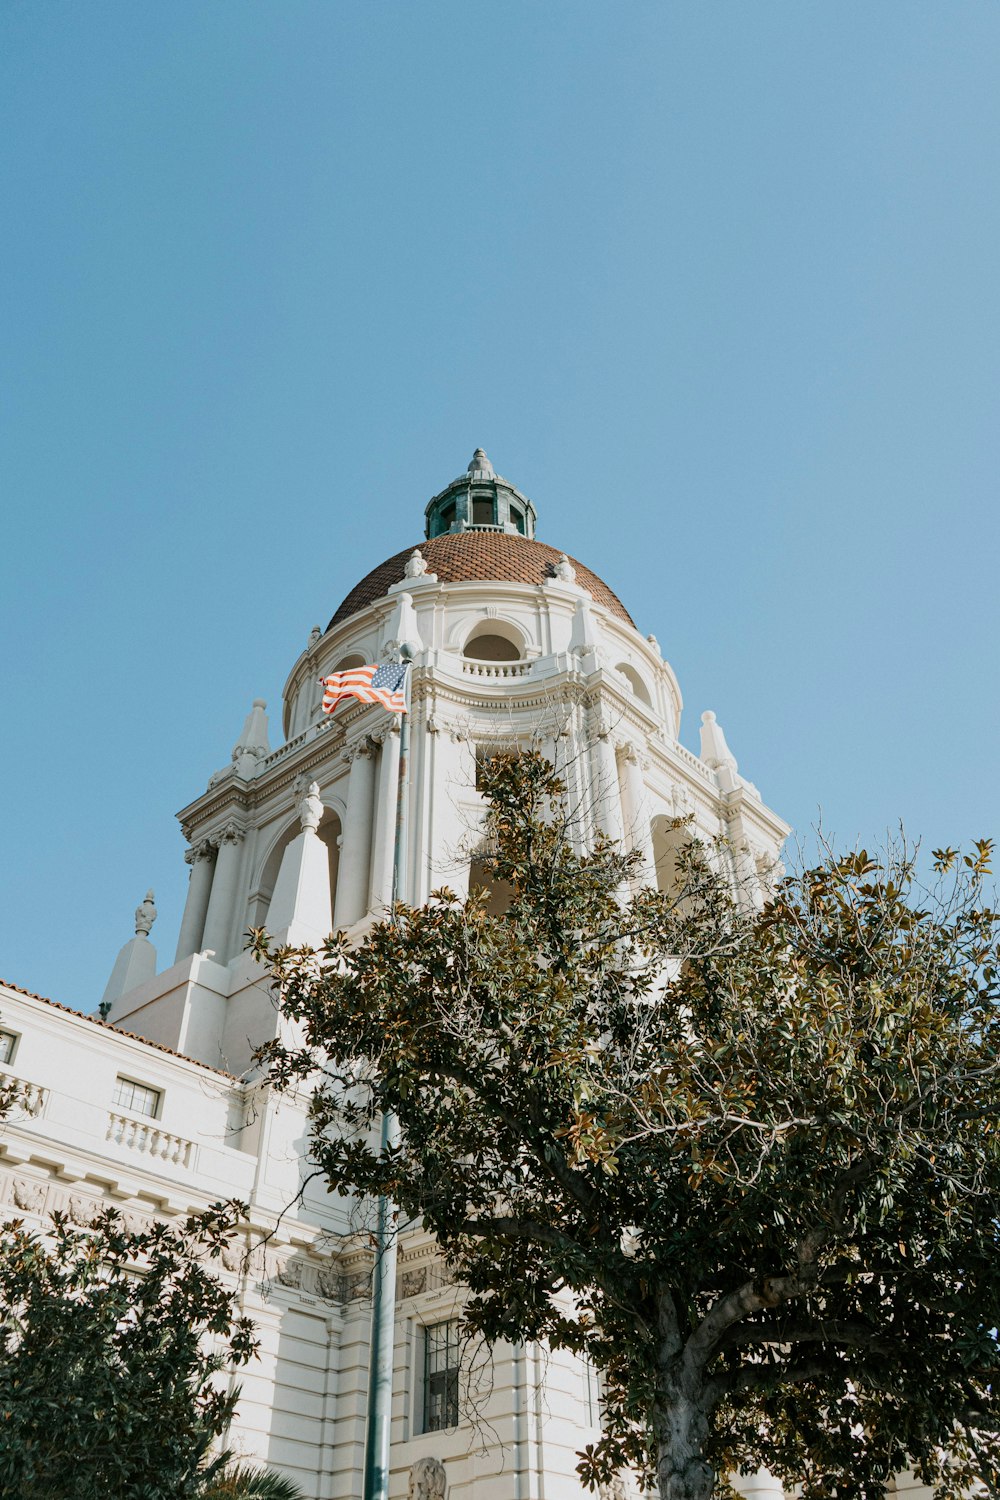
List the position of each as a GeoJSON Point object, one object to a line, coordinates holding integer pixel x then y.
{"type": "Point", "coordinates": [513, 643]}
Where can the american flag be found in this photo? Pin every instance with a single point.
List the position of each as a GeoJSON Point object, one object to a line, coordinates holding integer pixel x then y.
{"type": "Point", "coordinates": [371, 684]}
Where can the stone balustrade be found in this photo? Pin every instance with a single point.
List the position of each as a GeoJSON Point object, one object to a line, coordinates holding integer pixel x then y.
{"type": "Point", "coordinates": [496, 670]}
{"type": "Point", "coordinates": [29, 1098]}
{"type": "Point", "coordinates": [151, 1140]}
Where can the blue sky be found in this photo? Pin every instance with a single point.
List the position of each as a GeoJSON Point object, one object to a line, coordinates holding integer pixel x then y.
{"type": "Point", "coordinates": [716, 285]}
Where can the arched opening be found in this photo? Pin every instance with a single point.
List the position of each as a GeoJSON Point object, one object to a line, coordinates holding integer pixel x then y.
{"type": "Point", "coordinates": [494, 640]}
{"type": "Point", "coordinates": [483, 510]}
{"type": "Point", "coordinates": [635, 682]}
{"type": "Point", "coordinates": [260, 898]}
{"type": "Point", "coordinates": [669, 840]}
{"type": "Point", "coordinates": [350, 662]}
{"type": "Point", "coordinates": [491, 647]}
{"type": "Point", "coordinates": [499, 894]}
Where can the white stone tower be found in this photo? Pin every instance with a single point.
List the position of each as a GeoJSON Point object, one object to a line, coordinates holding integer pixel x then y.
{"type": "Point", "coordinates": [157, 1109]}
{"type": "Point", "coordinates": [513, 642]}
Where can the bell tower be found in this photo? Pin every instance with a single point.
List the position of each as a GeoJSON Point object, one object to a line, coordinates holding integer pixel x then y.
{"type": "Point", "coordinates": [479, 500]}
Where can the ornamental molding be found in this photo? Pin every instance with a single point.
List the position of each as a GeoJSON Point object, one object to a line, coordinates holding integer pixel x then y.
{"type": "Point", "coordinates": [232, 832]}
{"type": "Point", "coordinates": [365, 747]}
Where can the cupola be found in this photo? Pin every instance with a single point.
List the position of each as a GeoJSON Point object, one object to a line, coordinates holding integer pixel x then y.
{"type": "Point", "coordinates": [480, 500]}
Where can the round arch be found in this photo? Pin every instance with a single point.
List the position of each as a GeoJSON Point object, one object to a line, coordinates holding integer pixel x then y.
{"type": "Point", "coordinates": [330, 830]}
{"type": "Point", "coordinates": [669, 839]}
{"type": "Point", "coordinates": [635, 682]}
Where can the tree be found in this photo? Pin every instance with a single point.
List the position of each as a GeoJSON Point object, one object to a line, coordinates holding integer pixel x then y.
{"type": "Point", "coordinates": [111, 1343]}
{"type": "Point", "coordinates": [249, 1482]}
{"type": "Point", "coordinates": [746, 1160]}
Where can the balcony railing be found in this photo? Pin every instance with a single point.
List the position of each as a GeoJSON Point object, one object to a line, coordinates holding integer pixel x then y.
{"type": "Point", "coordinates": [151, 1140]}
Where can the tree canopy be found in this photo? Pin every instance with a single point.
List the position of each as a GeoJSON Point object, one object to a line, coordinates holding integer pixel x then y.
{"type": "Point", "coordinates": [112, 1344]}
{"type": "Point", "coordinates": [745, 1159]}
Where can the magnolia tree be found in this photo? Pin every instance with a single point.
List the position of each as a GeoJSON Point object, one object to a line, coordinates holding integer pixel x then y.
{"type": "Point", "coordinates": [745, 1160]}
{"type": "Point", "coordinates": [112, 1344]}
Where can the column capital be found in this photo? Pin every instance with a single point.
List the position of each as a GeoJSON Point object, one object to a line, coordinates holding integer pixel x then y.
{"type": "Point", "coordinates": [204, 849]}
{"type": "Point", "coordinates": [230, 833]}
{"type": "Point", "coordinates": [365, 746]}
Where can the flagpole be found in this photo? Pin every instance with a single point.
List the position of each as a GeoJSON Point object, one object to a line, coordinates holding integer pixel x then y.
{"type": "Point", "coordinates": [379, 1423]}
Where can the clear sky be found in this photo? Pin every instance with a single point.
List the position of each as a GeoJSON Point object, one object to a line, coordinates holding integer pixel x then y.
{"type": "Point", "coordinates": [717, 285]}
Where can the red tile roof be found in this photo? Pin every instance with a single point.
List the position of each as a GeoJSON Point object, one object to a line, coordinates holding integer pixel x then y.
{"type": "Point", "coordinates": [118, 1031]}
{"type": "Point", "coordinates": [463, 556]}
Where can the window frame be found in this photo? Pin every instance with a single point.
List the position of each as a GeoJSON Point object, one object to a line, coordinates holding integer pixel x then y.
{"type": "Point", "coordinates": [14, 1037]}
{"type": "Point", "coordinates": [131, 1107]}
{"type": "Point", "coordinates": [439, 1387]}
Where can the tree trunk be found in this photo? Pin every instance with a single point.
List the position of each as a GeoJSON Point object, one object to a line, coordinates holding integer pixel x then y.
{"type": "Point", "coordinates": [681, 1427]}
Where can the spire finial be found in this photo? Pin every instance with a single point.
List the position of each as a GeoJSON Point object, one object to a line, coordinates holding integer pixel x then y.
{"type": "Point", "coordinates": [145, 915]}
{"type": "Point", "coordinates": [481, 465]}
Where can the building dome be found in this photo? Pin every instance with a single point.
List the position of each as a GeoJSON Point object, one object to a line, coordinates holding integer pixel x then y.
{"type": "Point", "coordinates": [474, 555]}
{"type": "Point", "coordinates": [479, 529]}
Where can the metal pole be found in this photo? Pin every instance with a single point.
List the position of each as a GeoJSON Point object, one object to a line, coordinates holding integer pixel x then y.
{"type": "Point", "coordinates": [378, 1431]}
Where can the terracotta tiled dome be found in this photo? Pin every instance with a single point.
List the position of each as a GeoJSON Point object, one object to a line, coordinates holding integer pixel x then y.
{"type": "Point", "coordinates": [461, 556]}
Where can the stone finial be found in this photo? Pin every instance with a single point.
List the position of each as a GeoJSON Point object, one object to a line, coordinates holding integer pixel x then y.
{"type": "Point", "coordinates": [314, 636]}
{"type": "Point", "coordinates": [564, 569]}
{"type": "Point", "coordinates": [583, 637]}
{"type": "Point", "coordinates": [401, 629]}
{"type": "Point", "coordinates": [253, 745]}
{"type": "Point", "coordinates": [416, 565]}
{"type": "Point", "coordinates": [481, 465]}
{"type": "Point", "coordinates": [428, 1480]}
{"type": "Point", "coordinates": [310, 808]}
{"type": "Point", "coordinates": [145, 915]}
{"type": "Point", "coordinates": [714, 750]}
{"type": "Point", "coordinates": [654, 643]}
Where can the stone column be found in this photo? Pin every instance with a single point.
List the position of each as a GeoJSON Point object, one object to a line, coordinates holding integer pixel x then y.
{"type": "Point", "coordinates": [355, 848]}
{"type": "Point", "coordinates": [385, 820]}
{"type": "Point", "coordinates": [201, 859]}
{"type": "Point", "coordinates": [637, 829]}
{"type": "Point", "coordinates": [219, 918]}
{"type": "Point", "coordinates": [606, 794]}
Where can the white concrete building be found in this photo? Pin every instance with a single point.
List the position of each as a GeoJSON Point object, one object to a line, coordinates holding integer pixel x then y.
{"type": "Point", "coordinates": [154, 1108]}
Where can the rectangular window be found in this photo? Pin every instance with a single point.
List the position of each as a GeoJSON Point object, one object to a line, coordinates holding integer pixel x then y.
{"type": "Point", "coordinates": [137, 1097]}
{"type": "Point", "coordinates": [441, 1362]}
{"type": "Point", "coordinates": [482, 511]}
{"type": "Point", "coordinates": [8, 1041]}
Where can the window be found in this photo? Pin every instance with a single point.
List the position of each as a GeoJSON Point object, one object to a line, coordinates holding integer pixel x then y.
{"type": "Point", "coordinates": [446, 518]}
{"type": "Point", "coordinates": [441, 1361]}
{"type": "Point", "coordinates": [482, 510]}
{"type": "Point", "coordinates": [517, 516]}
{"type": "Point", "coordinates": [8, 1041]}
{"type": "Point", "coordinates": [137, 1096]}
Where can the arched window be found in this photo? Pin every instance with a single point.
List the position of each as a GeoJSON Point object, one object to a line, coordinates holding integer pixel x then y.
{"type": "Point", "coordinates": [635, 682]}
{"type": "Point", "coordinates": [349, 662]}
{"type": "Point", "coordinates": [669, 839]}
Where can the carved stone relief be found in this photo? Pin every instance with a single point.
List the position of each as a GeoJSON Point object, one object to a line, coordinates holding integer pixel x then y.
{"type": "Point", "coordinates": [412, 1283]}
{"type": "Point", "coordinates": [28, 1195]}
{"type": "Point", "coordinates": [428, 1480]}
